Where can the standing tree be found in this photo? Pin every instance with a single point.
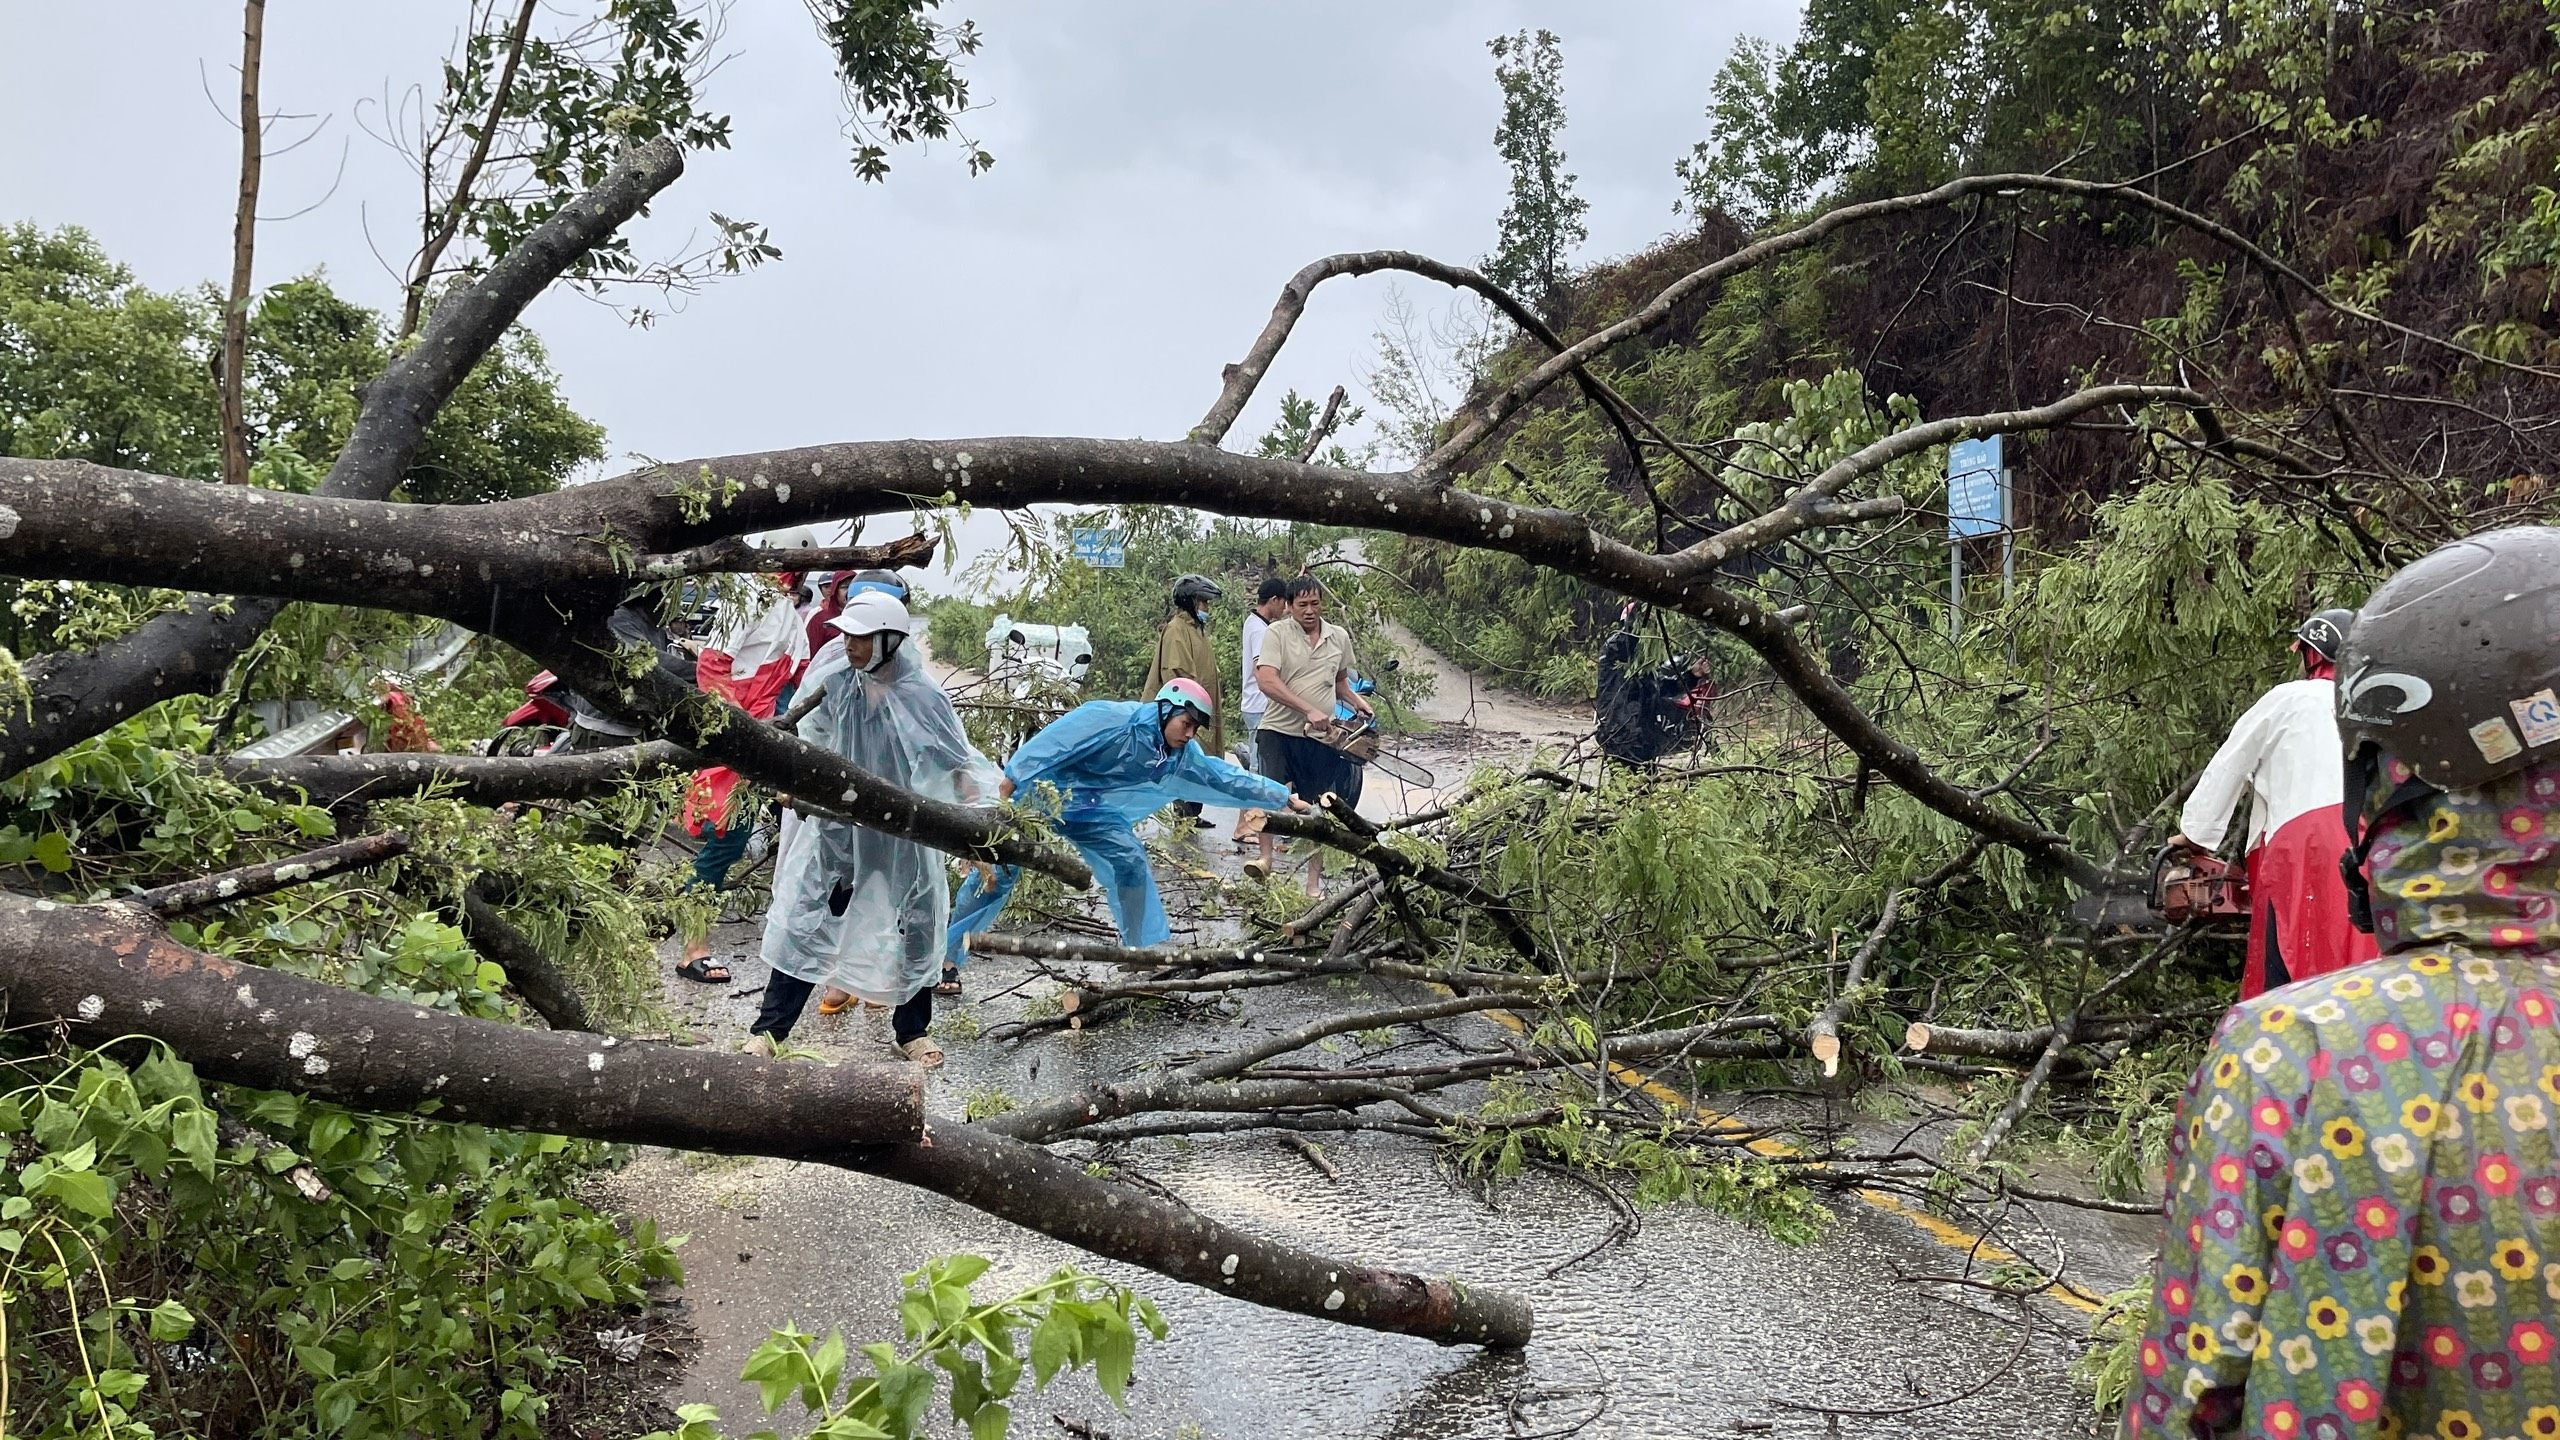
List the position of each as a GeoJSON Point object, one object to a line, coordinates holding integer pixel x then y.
{"type": "Point", "coordinates": [1543, 223]}
{"type": "Point", "coordinates": [1744, 167]}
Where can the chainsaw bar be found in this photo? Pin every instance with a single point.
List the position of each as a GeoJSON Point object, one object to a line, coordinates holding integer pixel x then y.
{"type": "Point", "coordinates": [1361, 746]}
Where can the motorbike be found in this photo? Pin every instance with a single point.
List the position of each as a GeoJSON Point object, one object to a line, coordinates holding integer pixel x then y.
{"type": "Point", "coordinates": [535, 726]}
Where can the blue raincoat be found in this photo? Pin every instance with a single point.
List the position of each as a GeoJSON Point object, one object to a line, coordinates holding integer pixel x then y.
{"type": "Point", "coordinates": [1105, 768]}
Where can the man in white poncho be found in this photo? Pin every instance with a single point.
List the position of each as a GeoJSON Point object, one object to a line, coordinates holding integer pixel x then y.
{"type": "Point", "coordinates": [852, 907]}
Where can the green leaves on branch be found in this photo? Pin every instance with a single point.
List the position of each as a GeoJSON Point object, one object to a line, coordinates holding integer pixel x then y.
{"type": "Point", "coordinates": [1070, 1321]}
{"type": "Point", "coordinates": [1542, 224]}
{"type": "Point", "coordinates": [901, 76]}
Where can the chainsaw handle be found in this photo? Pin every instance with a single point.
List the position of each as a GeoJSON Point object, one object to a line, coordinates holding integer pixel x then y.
{"type": "Point", "coordinates": [2169, 856]}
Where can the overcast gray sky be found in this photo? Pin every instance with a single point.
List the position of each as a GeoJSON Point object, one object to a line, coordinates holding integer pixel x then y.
{"type": "Point", "coordinates": [1161, 169]}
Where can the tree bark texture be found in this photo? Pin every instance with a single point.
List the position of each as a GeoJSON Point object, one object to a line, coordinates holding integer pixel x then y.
{"type": "Point", "coordinates": [189, 652]}
{"type": "Point", "coordinates": [338, 781]}
{"type": "Point", "coordinates": [105, 971]}
{"type": "Point", "coordinates": [459, 562]}
{"type": "Point", "coordinates": [108, 972]}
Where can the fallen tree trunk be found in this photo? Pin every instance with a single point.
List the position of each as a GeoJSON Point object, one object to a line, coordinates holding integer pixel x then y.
{"type": "Point", "coordinates": [76, 695]}
{"type": "Point", "coordinates": [244, 1025]}
{"type": "Point", "coordinates": [335, 781]}
{"type": "Point", "coordinates": [107, 971]}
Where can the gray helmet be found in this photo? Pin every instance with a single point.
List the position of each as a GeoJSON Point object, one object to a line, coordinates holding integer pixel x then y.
{"type": "Point", "coordinates": [2325, 634]}
{"type": "Point", "coordinates": [2453, 667]}
{"type": "Point", "coordinates": [1195, 587]}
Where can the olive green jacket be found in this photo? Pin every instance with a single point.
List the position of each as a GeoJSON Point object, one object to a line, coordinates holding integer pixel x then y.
{"type": "Point", "coordinates": [1183, 652]}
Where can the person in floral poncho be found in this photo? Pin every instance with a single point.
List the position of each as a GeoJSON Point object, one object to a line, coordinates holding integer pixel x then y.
{"type": "Point", "coordinates": [2364, 1208]}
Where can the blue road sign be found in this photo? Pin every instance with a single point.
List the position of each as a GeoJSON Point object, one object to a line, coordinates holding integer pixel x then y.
{"type": "Point", "coordinates": [1101, 549]}
{"type": "Point", "coordinates": [1976, 504]}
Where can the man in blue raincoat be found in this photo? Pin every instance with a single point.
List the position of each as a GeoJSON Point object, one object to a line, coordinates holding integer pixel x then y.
{"type": "Point", "coordinates": [1104, 766]}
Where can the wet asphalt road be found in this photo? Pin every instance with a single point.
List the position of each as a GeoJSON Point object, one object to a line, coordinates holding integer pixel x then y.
{"type": "Point", "coordinates": [1698, 1325]}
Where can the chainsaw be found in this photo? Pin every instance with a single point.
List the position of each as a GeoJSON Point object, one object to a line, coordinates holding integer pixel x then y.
{"type": "Point", "coordinates": [2191, 884]}
{"type": "Point", "coordinates": [2185, 884]}
{"type": "Point", "coordinates": [1357, 738]}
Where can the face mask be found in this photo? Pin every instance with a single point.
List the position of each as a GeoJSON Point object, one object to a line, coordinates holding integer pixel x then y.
{"type": "Point", "coordinates": [884, 648]}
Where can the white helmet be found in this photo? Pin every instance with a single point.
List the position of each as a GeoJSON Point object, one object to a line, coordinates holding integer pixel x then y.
{"type": "Point", "coordinates": [875, 612]}
{"type": "Point", "coordinates": [794, 537]}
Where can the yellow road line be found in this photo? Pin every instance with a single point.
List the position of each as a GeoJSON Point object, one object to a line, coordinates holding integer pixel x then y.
{"type": "Point", "coordinates": [1937, 1227]}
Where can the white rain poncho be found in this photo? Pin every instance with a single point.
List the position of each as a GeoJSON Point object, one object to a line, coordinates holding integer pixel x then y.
{"type": "Point", "coordinates": [853, 907]}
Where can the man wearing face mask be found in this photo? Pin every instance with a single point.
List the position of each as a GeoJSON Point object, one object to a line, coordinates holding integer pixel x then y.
{"type": "Point", "coordinates": [2364, 1206]}
{"type": "Point", "coordinates": [1098, 770]}
{"type": "Point", "coordinates": [1183, 652]}
{"type": "Point", "coordinates": [855, 908]}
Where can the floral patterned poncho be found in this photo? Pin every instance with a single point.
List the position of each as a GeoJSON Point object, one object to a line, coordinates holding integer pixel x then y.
{"type": "Point", "coordinates": [2364, 1207]}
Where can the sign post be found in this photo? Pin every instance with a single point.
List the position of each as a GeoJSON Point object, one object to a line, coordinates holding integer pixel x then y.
{"type": "Point", "coordinates": [1977, 504]}
{"type": "Point", "coordinates": [1102, 549]}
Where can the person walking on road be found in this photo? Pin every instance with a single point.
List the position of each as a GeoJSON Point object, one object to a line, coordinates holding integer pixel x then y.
{"type": "Point", "coordinates": [2283, 754]}
{"type": "Point", "coordinates": [1183, 652]}
{"type": "Point", "coordinates": [1098, 770]}
{"type": "Point", "coordinates": [1269, 604]}
{"type": "Point", "coordinates": [854, 907]}
{"type": "Point", "coordinates": [2364, 1207]}
{"type": "Point", "coordinates": [1304, 668]}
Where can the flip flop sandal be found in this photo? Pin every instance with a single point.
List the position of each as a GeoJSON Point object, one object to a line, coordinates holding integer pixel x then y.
{"type": "Point", "coordinates": [950, 981]}
{"type": "Point", "coordinates": [704, 969]}
{"type": "Point", "coordinates": [835, 1004]}
{"type": "Point", "coordinates": [924, 1052]}
{"type": "Point", "coordinates": [1256, 870]}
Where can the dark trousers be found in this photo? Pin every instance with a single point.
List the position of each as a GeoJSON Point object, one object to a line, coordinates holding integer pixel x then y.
{"type": "Point", "coordinates": [785, 996]}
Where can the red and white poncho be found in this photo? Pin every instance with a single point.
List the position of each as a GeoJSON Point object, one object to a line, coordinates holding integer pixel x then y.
{"type": "Point", "coordinates": [749, 662]}
{"type": "Point", "coordinates": [2284, 755]}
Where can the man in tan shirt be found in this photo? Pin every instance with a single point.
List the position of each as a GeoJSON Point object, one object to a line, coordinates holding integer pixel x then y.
{"type": "Point", "coordinates": [1303, 668]}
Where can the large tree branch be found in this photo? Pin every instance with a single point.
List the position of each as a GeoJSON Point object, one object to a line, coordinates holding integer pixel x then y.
{"type": "Point", "coordinates": [816, 778]}
{"type": "Point", "coordinates": [1815, 503]}
{"type": "Point", "coordinates": [448, 560]}
{"type": "Point", "coordinates": [203, 892]}
{"type": "Point", "coordinates": [335, 781]}
{"type": "Point", "coordinates": [1496, 409]}
{"type": "Point", "coordinates": [75, 696]}
{"type": "Point", "coordinates": [538, 978]}
{"type": "Point", "coordinates": [106, 973]}
{"type": "Point", "coordinates": [1245, 375]}
{"type": "Point", "coordinates": [399, 407]}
